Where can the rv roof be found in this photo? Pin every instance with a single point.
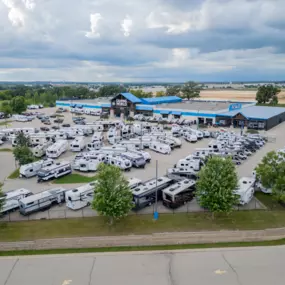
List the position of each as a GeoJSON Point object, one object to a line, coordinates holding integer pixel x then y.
{"type": "Point", "coordinates": [13, 193]}
{"type": "Point", "coordinates": [244, 184]}
{"type": "Point", "coordinates": [55, 165]}
{"type": "Point", "coordinates": [178, 187]}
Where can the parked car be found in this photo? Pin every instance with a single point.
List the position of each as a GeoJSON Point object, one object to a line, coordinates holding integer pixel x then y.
{"type": "Point", "coordinates": [55, 127]}
{"type": "Point", "coordinates": [66, 125]}
{"type": "Point", "coordinates": [44, 129]}
{"type": "Point", "coordinates": [79, 122]}
{"type": "Point", "coordinates": [58, 121]}
{"type": "Point", "coordinates": [53, 115]}
{"type": "Point", "coordinates": [236, 162]}
{"type": "Point", "coordinates": [47, 122]}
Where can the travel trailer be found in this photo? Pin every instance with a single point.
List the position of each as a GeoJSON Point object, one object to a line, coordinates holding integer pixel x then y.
{"type": "Point", "coordinates": [134, 144]}
{"type": "Point", "coordinates": [11, 199]}
{"type": "Point", "coordinates": [116, 149]}
{"type": "Point", "coordinates": [137, 160]}
{"type": "Point", "coordinates": [32, 169]}
{"type": "Point", "coordinates": [192, 164]}
{"type": "Point", "coordinates": [54, 171]}
{"type": "Point", "coordinates": [42, 201]}
{"type": "Point", "coordinates": [40, 150]}
{"type": "Point", "coordinates": [178, 173]}
{"type": "Point", "coordinates": [126, 132]}
{"type": "Point", "coordinates": [245, 189]}
{"type": "Point", "coordinates": [57, 149]}
{"type": "Point", "coordinates": [160, 147]}
{"type": "Point", "coordinates": [72, 133]}
{"type": "Point", "coordinates": [78, 144]}
{"type": "Point", "coordinates": [91, 155]}
{"type": "Point", "coordinates": [122, 163]}
{"type": "Point", "coordinates": [178, 194]}
{"type": "Point", "coordinates": [97, 136]}
{"type": "Point", "coordinates": [145, 194]}
{"type": "Point", "coordinates": [142, 142]}
{"type": "Point", "coordinates": [88, 164]}
{"type": "Point", "coordinates": [96, 145]}
{"type": "Point", "coordinates": [146, 155]}
{"type": "Point", "coordinates": [190, 137]}
{"type": "Point", "coordinates": [80, 197]}
{"type": "Point", "coordinates": [175, 130]}
{"type": "Point", "coordinates": [166, 141]}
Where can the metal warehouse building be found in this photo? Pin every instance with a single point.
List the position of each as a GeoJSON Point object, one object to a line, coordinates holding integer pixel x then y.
{"type": "Point", "coordinates": [225, 113]}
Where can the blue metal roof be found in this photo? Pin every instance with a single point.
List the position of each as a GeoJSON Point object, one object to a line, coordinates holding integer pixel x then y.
{"type": "Point", "coordinates": [161, 100]}
{"type": "Point", "coordinates": [131, 97]}
{"type": "Point", "coordinates": [176, 113]}
{"type": "Point", "coordinates": [144, 108]}
{"type": "Point", "coordinates": [164, 111]}
{"type": "Point", "coordinates": [256, 112]}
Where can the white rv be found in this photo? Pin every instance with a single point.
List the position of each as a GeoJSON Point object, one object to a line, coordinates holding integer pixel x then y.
{"type": "Point", "coordinates": [134, 144]}
{"type": "Point", "coordinates": [137, 160]}
{"type": "Point", "coordinates": [122, 163]}
{"type": "Point", "coordinates": [192, 164]}
{"type": "Point", "coordinates": [178, 194]}
{"type": "Point", "coordinates": [160, 147]}
{"type": "Point", "coordinates": [98, 136]}
{"type": "Point", "coordinates": [32, 169]}
{"type": "Point", "coordinates": [175, 130]}
{"type": "Point", "coordinates": [190, 137]}
{"type": "Point", "coordinates": [57, 149]}
{"type": "Point", "coordinates": [11, 199]}
{"type": "Point", "coordinates": [80, 197]}
{"type": "Point", "coordinates": [144, 195]}
{"type": "Point", "coordinates": [92, 155]}
{"type": "Point", "coordinates": [145, 154]}
{"type": "Point", "coordinates": [179, 173]}
{"type": "Point", "coordinates": [78, 144]}
{"type": "Point", "coordinates": [94, 145]}
{"type": "Point", "coordinates": [88, 164]}
{"type": "Point", "coordinates": [142, 142]}
{"type": "Point", "coordinates": [245, 190]}
{"type": "Point", "coordinates": [41, 201]}
{"type": "Point", "coordinates": [54, 171]}
{"type": "Point", "coordinates": [116, 149]}
{"type": "Point", "coordinates": [40, 150]}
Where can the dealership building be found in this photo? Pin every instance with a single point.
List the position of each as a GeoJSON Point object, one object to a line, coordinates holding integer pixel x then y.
{"type": "Point", "coordinates": [224, 113]}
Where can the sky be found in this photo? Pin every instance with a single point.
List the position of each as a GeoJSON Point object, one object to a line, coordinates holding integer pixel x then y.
{"type": "Point", "coordinates": [142, 40]}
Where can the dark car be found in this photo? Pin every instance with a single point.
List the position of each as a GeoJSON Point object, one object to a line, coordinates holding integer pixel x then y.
{"type": "Point", "coordinates": [44, 129]}
{"type": "Point", "coordinates": [55, 127]}
{"type": "Point", "coordinates": [79, 122]}
{"type": "Point", "coordinates": [66, 125]}
{"type": "Point", "coordinates": [236, 162]}
{"type": "Point", "coordinates": [58, 121]}
{"type": "Point", "coordinates": [53, 115]}
{"type": "Point", "coordinates": [46, 122]}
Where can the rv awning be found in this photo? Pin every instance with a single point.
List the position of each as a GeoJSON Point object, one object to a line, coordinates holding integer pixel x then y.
{"type": "Point", "coordinates": [165, 112]}
{"type": "Point", "coordinates": [176, 113]}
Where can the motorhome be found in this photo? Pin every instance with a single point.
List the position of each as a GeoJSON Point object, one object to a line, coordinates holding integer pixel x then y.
{"type": "Point", "coordinates": [160, 147]}
{"type": "Point", "coordinates": [116, 149]}
{"type": "Point", "coordinates": [134, 144]}
{"type": "Point", "coordinates": [80, 197]}
{"type": "Point", "coordinates": [54, 171]}
{"type": "Point", "coordinates": [11, 199]}
{"type": "Point", "coordinates": [57, 149]}
{"type": "Point", "coordinates": [137, 160]}
{"type": "Point", "coordinates": [178, 173]}
{"type": "Point", "coordinates": [245, 189]}
{"type": "Point", "coordinates": [41, 201]}
{"type": "Point", "coordinates": [40, 149]}
{"type": "Point", "coordinates": [190, 137]}
{"type": "Point", "coordinates": [97, 136]}
{"type": "Point", "coordinates": [78, 144]}
{"type": "Point", "coordinates": [94, 145]}
{"type": "Point", "coordinates": [121, 162]}
{"type": "Point", "coordinates": [216, 145]}
{"type": "Point", "coordinates": [145, 194]}
{"type": "Point", "coordinates": [198, 133]}
{"type": "Point", "coordinates": [202, 152]}
{"type": "Point", "coordinates": [88, 164]}
{"type": "Point", "coordinates": [145, 154]}
{"type": "Point", "coordinates": [192, 164]}
{"type": "Point", "coordinates": [32, 169]}
{"type": "Point", "coordinates": [178, 194]}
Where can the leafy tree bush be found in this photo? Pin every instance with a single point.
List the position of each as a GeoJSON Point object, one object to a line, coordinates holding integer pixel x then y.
{"type": "Point", "coordinates": [18, 105]}
{"type": "Point", "coordinates": [191, 90]}
{"type": "Point", "coordinates": [113, 197]}
{"type": "Point", "coordinates": [267, 93]}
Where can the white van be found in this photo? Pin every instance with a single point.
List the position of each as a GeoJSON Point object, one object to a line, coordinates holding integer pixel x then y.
{"type": "Point", "coordinates": [160, 147]}
{"type": "Point", "coordinates": [78, 144]}
{"type": "Point", "coordinates": [32, 169]}
{"type": "Point", "coordinates": [57, 149]}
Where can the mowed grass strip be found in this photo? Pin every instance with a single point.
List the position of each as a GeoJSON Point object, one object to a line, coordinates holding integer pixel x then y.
{"type": "Point", "coordinates": [74, 178]}
{"type": "Point", "coordinates": [6, 150]}
{"type": "Point", "coordinates": [269, 202]}
{"type": "Point", "coordinates": [15, 174]}
{"type": "Point", "coordinates": [139, 224]}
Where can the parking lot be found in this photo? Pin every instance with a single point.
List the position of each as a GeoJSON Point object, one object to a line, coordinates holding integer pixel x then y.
{"type": "Point", "coordinates": [7, 164]}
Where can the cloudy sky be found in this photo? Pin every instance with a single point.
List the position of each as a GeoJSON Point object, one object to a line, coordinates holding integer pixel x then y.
{"type": "Point", "coordinates": [142, 40]}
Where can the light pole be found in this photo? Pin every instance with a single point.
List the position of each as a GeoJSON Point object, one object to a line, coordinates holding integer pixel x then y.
{"type": "Point", "coordinates": [155, 214]}
{"type": "Point", "coordinates": [198, 120]}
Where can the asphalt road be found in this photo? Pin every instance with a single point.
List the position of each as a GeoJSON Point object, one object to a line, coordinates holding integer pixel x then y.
{"type": "Point", "coordinates": [240, 266]}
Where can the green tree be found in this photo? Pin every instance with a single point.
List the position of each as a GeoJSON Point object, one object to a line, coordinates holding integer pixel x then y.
{"type": "Point", "coordinates": [18, 105]}
{"type": "Point", "coordinates": [267, 93]}
{"type": "Point", "coordinates": [22, 140]}
{"type": "Point", "coordinates": [173, 90]}
{"type": "Point", "coordinates": [140, 93]}
{"type": "Point", "coordinates": [23, 155]}
{"type": "Point", "coordinates": [271, 173]}
{"type": "Point", "coordinates": [216, 185]}
{"type": "Point", "coordinates": [191, 89]}
{"type": "Point", "coordinates": [159, 94]}
{"type": "Point", "coordinates": [113, 197]}
{"type": "Point", "coordinates": [6, 109]}
{"type": "Point", "coordinates": [111, 90]}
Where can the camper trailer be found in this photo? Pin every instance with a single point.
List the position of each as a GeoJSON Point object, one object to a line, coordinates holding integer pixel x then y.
{"type": "Point", "coordinates": [88, 164]}
{"type": "Point", "coordinates": [194, 164]}
{"type": "Point", "coordinates": [160, 147]}
{"type": "Point", "coordinates": [41, 201]}
{"type": "Point", "coordinates": [245, 189]}
{"type": "Point", "coordinates": [137, 160]}
{"type": "Point", "coordinates": [145, 194]}
{"type": "Point", "coordinates": [142, 142]}
{"type": "Point", "coordinates": [178, 194]}
{"type": "Point", "coordinates": [121, 162]}
{"type": "Point", "coordinates": [32, 169]}
{"type": "Point", "coordinates": [179, 173]}
{"type": "Point", "coordinates": [94, 145]}
{"type": "Point", "coordinates": [98, 136]}
{"type": "Point", "coordinates": [145, 154]}
{"type": "Point", "coordinates": [54, 171]}
{"type": "Point", "coordinates": [116, 149]}
{"type": "Point", "coordinates": [57, 149]}
{"type": "Point", "coordinates": [92, 155]}
{"type": "Point", "coordinates": [190, 137]}
{"type": "Point", "coordinates": [11, 199]}
{"type": "Point", "coordinates": [40, 150]}
{"type": "Point", "coordinates": [78, 144]}
{"type": "Point", "coordinates": [132, 144]}
{"type": "Point", "coordinates": [80, 197]}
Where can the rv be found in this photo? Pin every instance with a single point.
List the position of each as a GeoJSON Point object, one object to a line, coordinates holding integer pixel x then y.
{"type": "Point", "coordinates": [145, 194]}
{"type": "Point", "coordinates": [80, 197]}
{"type": "Point", "coordinates": [198, 134]}
{"type": "Point", "coordinates": [92, 155]}
{"type": "Point", "coordinates": [32, 169]}
{"type": "Point", "coordinates": [134, 182]}
{"type": "Point", "coordinates": [192, 164]}
{"type": "Point", "coordinates": [72, 133]}
{"type": "Point", "coordinates": [78, 144]}
{"type": "Point", "coordinates": [135, 144]}
{"type": "Point", "coordinates": [116, 149]}
{"type": "Point", "coordinates": [179, 173]}
{"type": "Point", "coordinates": [190, 137]}
{"type": "Point", "coordinates": [41, 201]}
{"type": "Point", "coordinates": [166, 141]}
{"type": "Point", "coordinates": [98, 136]}
{"type": "Point", "coordinates": [94, 145]}
{"type": "Point", "coordinates": [137, 160]}
{"type": "Point", "coordinates": [175, 130]}
{"type": "Point", "coordinates": [245, 189]}
{"type": "Point", "coordinates": [54, 171]}
{"type": "Point", "coordinates": [11, 199]}
{"type": "Point", "coordinates": [88, 164]}
{"type": "Point", "coordinates": [178, 194]}
{"type": "Point", "coordinates": [40, 150]}
{"type": "Point", "coordinates": [146, 155]}
{"type": "Point", "coordinates": [20, 118]}
{"type": "Point", "coordinates": [57, 149]}
{"type": "Point", "coordinates": [122, 163]}
{"type": "Point", "coordinates": [126, 132]}
{"type": "Point", "coordinates": [142, 142]}
{"type": "Point", "coordinates": [160, 147]}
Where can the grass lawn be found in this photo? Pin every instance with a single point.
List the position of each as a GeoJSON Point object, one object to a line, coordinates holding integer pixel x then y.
{"type": "Point", "coordinates": [142, 248]}
{"type": "Point", "coordinates": [14, 174]}
{"type": "Point", "coordinates": [140, 224]}
{"type": "Point", "coordinates": [267, 200]}
{"type": "Point", "coordinates": [6, 150]}
{"type": "Point", "coordinates": [5, 123]}
{"type": "Point", "coordinates": [74, 178]}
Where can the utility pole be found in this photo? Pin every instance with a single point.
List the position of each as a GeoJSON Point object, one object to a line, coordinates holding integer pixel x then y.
{"type": "Point", "coordinates": [155, 214]}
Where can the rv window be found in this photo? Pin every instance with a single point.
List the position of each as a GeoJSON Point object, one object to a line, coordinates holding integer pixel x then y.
{"type": "Point", "coordinates": [31, 203]}
{"type": "Point", "coordinates": [31, 170]}
{"type": "Point", "coordinates": [168, 197]}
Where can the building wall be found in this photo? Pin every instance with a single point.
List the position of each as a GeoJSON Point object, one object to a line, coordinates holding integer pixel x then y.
{"type": "Point", "coordinates": [274, 121]}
